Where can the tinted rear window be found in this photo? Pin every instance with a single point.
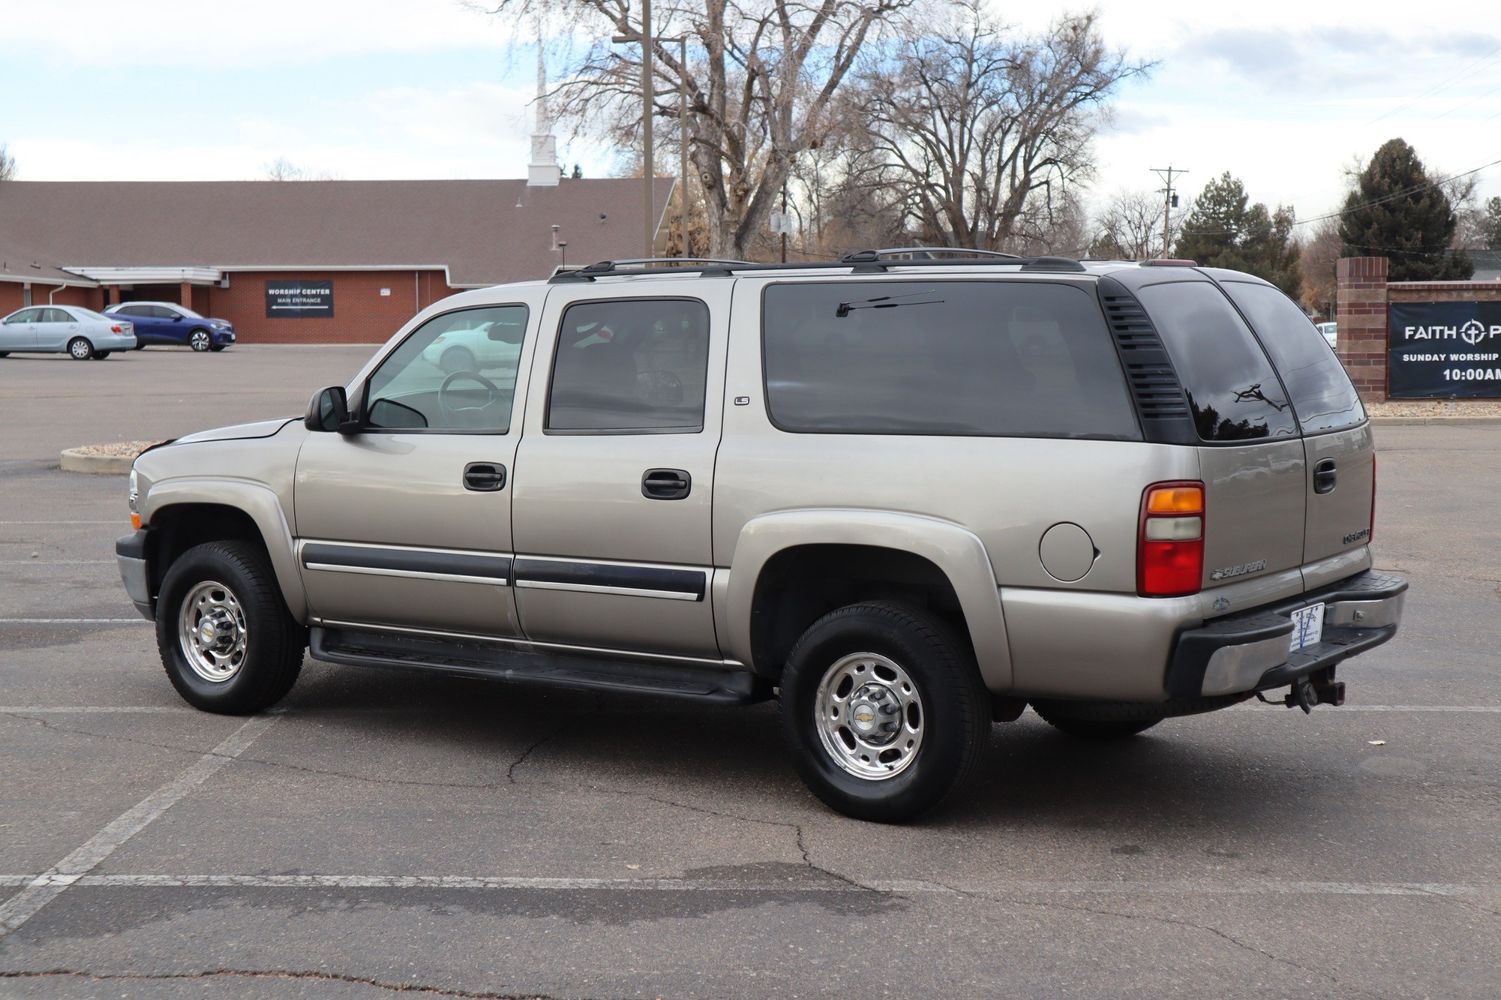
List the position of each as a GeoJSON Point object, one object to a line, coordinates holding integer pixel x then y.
{"type": "Point", "coordinates": [1001, 358]}
{"type": "Point", "coordinates": [1321, 391]}
{"type": "Point", "coordinates": [1232, 389]}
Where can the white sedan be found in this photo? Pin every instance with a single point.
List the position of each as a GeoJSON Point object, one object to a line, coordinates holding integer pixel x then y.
{"type": "Point", "coordinates": [81, 333]}
{"type": "Point", "coordinates": [476, 348]}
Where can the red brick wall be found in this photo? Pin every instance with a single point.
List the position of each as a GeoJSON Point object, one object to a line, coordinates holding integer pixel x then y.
{"type": "Point", "coordinates": [11, 296]}
{"type": "Point", "coordinates": [361, 314]}
{"type": "Point", "coordinates": [1363, 294]}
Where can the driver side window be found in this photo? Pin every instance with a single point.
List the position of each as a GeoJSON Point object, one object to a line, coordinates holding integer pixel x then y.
{"type": "Point", "coordinates": [456, 372]}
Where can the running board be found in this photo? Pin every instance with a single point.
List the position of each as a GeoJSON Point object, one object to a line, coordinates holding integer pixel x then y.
{"type": "Point", "coordinates": [529, 665]}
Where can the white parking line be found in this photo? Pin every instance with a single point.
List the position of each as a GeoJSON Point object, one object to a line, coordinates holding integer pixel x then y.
{"type": "Point", "coordinates": [72, 621]}
{"type": "Point", "coordinates": [97, 709]}
{"type": "Point", "coordinates": [1029, 887]}
{"type": "Point", "coordinates": [47, 886]}
{"type": "Point", "coordinates": [112, 520]}
{"type": "Point", "coordinates": [1401, 708]}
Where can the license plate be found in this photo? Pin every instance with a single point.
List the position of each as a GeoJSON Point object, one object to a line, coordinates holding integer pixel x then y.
{"type": "Point", "coordinates": [1308, 627]}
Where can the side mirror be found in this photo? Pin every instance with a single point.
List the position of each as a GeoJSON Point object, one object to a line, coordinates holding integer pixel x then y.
{"type": "Point", "coordinates": [328, 411]}
{"type": "Point", "coordinates": [177, 317]}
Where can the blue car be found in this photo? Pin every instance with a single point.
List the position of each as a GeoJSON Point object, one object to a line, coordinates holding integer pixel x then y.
{"type": "Point", "coordinates": [170, 323]}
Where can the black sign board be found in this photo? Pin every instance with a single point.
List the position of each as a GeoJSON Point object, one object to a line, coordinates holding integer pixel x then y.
{"type": "Point", "coordinates": [1443, 350]}
{"type": "Point", "coordinates": [299, 299]}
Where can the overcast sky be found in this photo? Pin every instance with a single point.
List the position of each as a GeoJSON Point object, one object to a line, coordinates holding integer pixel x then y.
{"type": "Point", "coordinates": [1284, 94]}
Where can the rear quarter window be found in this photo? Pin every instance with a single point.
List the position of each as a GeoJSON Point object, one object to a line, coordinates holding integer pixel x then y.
{"type": "Point", "coordinates": [1233, 392]}
{"type": "Point", "coordinates": [1321, 393]}
{"type": "Point", "coordinates": [992, 358]}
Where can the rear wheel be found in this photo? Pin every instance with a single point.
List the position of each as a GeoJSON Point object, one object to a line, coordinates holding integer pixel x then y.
{"type": "Point", "coordinates": [884, 708]}
{"type": "Point", "coordinates": [80, 349]}
{"type": "Point", "coordinates": [200, 341]}
{"type": "Point", "coordinates": [226, 639]}
{"type": "Point", "coordinates": [457, 359]}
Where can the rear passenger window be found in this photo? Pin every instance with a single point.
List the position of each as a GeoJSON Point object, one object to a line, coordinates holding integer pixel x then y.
{"type": "Point", "coordinates": [1232, 389]}
{"type": "Point", "coordinates": [999, 358]}
{"type": "Point", "coordinates": [1321, 392]}
{"type": "Point", "coordinates": [631, 365]}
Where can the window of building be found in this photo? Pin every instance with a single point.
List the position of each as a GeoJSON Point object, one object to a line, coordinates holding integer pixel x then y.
{"type": "Point", "coordinates": [631, 365]}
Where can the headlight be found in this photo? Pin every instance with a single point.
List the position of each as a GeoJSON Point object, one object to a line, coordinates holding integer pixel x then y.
{"type": "Point", "coordinates": [135, 492]}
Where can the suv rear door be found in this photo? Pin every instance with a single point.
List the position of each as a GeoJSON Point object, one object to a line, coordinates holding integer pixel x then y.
{"type": "Point", "coordinates": [1251, 457]}
{"type": "Point", "coordinates": [615, 471]}
{"type": "Point", "coordinates": [1338, 445]}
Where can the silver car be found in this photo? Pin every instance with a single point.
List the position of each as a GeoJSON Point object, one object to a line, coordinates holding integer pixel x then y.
{"type": "Point", "coordinates": [81, 333]}
{"type": "Point", "coordinates": [905, 497]}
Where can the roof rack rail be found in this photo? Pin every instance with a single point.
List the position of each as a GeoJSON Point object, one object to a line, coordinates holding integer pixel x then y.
{"type": "Point", "coordinates": [710, 266]}
{"type": "Point", "coordinates": [859, 262]}
{"type": "Point", "coordinates": [927, 253]}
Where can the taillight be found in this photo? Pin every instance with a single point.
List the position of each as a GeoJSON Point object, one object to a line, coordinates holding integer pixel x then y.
{"type": "Point", "coordinates": [116, 329]}
{"type": "Point", "coordinates": [1371, 534]}
{"type": "Point", "coordinates": [1170, 544]}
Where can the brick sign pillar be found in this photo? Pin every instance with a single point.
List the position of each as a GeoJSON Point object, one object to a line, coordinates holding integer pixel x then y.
{"type": "Point", "coordinates": [1361, 297]}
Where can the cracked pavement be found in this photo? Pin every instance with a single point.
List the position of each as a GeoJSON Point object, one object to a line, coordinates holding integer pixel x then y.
{"type": "Point", "coordinates": [444, 837]}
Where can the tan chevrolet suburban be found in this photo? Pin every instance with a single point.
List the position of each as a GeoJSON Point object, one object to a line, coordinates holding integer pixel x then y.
{"type": "Point", "coordinates": [906, 494]}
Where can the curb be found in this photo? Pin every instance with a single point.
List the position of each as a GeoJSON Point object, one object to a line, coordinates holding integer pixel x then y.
{"type": "Point", "coordinates": [80, 460]}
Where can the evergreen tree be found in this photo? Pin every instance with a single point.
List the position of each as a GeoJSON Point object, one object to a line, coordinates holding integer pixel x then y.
{"type": "Point", "coordinates": [1490, 226]}
{"type": "Point", "coordinates": [1396, 211]}
{"type": "Point", "coordinates": [1226, 230]}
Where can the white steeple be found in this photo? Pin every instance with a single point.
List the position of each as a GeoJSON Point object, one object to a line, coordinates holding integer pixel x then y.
{"type": "Point", "coordinates": [543, 170]}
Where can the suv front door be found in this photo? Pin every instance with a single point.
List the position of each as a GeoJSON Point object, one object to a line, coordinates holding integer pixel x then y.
{"type": "Point", "coordinates": [615, 471]}
{"type": "Point", "coordinates": [406, 522]}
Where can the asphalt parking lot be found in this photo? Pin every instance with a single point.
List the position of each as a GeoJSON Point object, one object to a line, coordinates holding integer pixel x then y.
{"type": "Point", "coordinates": [382, 832]}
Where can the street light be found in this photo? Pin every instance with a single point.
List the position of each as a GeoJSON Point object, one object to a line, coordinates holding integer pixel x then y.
{"type": "Point", "coordinates": [648, 168]}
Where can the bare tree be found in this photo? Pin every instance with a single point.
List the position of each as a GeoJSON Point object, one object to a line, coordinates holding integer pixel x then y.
{"type": "Point", "coordinates": [759, 87]}
{"type": "Point", "coordinates": [7, 164]}
{"type": "Point", "coordinates": [975, 124]}
{"type": "Point", "coordinates": [1318, 261]}
{"type": "Point", "coordinates": [283, 169]}
{"type": "Point", "coordinates": [1129, 227]}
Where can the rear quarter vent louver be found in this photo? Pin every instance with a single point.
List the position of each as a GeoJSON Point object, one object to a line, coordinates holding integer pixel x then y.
{"type": "Point", "coordinates": [1154, 384]}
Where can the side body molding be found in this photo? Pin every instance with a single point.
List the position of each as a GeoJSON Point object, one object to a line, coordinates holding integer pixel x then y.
{"type": "Point", "coordinates": [954, 550]}
{"type": "Point", "coordinates": [264, 508]}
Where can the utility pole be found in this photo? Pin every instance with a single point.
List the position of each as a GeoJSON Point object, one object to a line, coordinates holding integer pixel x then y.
{"type": "Point", "coordinates": [1169, 202]}
{"type": "Point", "coordinates": [648, 168]}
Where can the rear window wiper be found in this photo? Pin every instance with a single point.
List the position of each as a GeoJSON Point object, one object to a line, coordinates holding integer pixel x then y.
{"type": "Point", "coordinates": [884, 302]}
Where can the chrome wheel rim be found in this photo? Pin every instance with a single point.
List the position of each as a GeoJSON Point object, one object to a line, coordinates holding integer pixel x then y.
{"type": "Point", "coordinates": [200, 341]}
{"type": "Point", "coordinates": [869, 716]}
{"type": "Point", "coordinates": [211, 632]}
{"type": "Point", "coordinates": [80, 349]}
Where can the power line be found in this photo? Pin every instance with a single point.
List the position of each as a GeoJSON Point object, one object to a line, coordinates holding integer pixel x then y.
{"type": "Point", "coordinates": [1467, 71]}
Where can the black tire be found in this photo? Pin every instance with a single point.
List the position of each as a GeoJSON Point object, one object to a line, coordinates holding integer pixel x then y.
{"type": "Point", "coordinates": [1098, 729]}
{"type": "Point", "coordinates": [955, 711]}
{"type": "Point", "coordinates": [101, 355]}
{"type": "Point", "coordinates": [80, 349]}
{"type": "Point", "coordinates": [458, 359]}
{"type": "Point", "coordinates": [274, 645]}
{"type": "Point", "coordinates": [4, 354]}
{"type": "Point", "coordinates": [200, 340]}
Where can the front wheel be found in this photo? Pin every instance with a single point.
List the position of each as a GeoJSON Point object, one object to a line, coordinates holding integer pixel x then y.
{"type": "Point", "coordinates": [199, 340]}
{"type": "Point", "coordinates": [225, 636]}
{"type": "Point", "coordinates": [80, 349]}
{"type": "Point", "coordinates": [884, 709]}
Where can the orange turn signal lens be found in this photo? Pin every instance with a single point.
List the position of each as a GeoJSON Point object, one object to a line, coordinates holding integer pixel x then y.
{"type": "Point", "coordinates": [1176, 500]}
{"type": "Point", "coordinates": [135, 521]}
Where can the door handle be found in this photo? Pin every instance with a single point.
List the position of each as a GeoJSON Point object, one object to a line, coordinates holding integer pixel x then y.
{"type": "Point", "coordinates": [666, 484]}
{"type": "Point", "coordinates": [1324, 476]}
{"type": "Point", "coordinates": [484, 477]}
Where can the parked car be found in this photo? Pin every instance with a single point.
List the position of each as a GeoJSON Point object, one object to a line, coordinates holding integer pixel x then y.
{"type": "Point", "coordinates": [169, 323]}
{"type": "Point", "coordinates": [1330, 332]}
{"type": "Point", "coordinates": [82, 333]}
{"type": "Point", "coordinates": [905, 497]}
{"type": "Point", "coordinates": [480, 347]}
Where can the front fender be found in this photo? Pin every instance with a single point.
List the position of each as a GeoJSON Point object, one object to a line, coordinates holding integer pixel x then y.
{"type": "Point", "coordinates": [957, 552]}
{"type": "Point", "coordinates": [257, 501]}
